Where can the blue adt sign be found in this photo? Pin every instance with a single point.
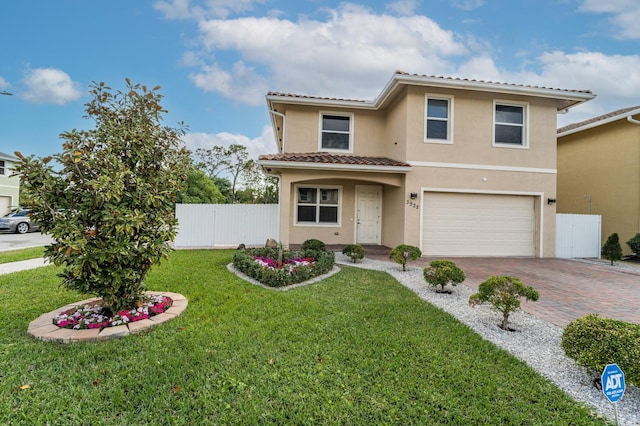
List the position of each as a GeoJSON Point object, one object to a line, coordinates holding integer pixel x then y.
{"type": "Point", "coordinates": [613, 382]}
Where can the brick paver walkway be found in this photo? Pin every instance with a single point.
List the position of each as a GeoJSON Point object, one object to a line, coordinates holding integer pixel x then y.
{"type": "Point", "coordinates": [569, 289]}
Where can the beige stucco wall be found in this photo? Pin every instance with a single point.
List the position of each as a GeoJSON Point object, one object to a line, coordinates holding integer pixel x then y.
{"type": "Point", "coordinates": [344, 232]}
{"type": "Point", "coordinates": [602, 163]}
{"type": "Point", "coordinates": [397, 132]}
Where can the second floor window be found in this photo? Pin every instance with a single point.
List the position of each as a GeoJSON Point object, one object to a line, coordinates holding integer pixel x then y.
{"type": "Point", "coordinates": [336, 132]}
{"type": "Point", "coordinates": [509, 125]}
{"type": "Point", "coordinates": [3, 170]}
{"type": "Point", "coordinates": [438, 120]}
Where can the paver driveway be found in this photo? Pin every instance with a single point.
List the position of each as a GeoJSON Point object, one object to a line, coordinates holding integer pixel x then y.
{"type": "Point", "coordinates": [569, 289]}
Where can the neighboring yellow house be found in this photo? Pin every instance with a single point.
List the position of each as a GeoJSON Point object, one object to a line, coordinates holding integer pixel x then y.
{"type": "Point", "coordinates": [9, 185]}
{"type": "Point", "coordinates": [599, 171]}
{"type": "Point", "coordinates": [453, 166]}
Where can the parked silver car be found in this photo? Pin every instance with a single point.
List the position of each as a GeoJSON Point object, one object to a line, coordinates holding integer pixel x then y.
{"type": "Point", "coordinates": [18, 221]}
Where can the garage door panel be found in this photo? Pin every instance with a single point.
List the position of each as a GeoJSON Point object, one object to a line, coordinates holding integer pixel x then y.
{"type": "Point", "coordinates": [478, 225]}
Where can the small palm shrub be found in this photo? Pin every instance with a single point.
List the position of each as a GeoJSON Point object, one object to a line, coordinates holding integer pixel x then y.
{"type": "Point", "coordinates": [403, 253]}
{"type": "Point", "coordinates": [504, 294]}
{"type": "Point", "coordinates": [443, 272]}
{"type": "Point", "coordinates": [634, 244]}
{"type": "Point", "coordinates": [354, 251]}
{"type": "Point", "coordinates": [593, 342]}
{"type": "Point", "coordinates": [611, 249]}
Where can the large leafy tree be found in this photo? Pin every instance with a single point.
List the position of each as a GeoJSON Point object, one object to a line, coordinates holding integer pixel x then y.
{"type": "Point", "coordinates": [238, 177]}
{"type": "Point", "coordinates": [109, 205]}
{"type": "Point", "coordinates": [200, 189]}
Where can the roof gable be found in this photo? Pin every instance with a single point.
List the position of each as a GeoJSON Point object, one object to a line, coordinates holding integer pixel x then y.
{"type": "Point", "coordinates": [598, 121]}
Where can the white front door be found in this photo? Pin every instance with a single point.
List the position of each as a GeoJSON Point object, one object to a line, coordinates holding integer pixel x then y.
{"type": "Point", "coordinates": [368, 214]}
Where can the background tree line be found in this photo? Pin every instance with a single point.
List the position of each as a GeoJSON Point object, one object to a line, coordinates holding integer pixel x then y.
{"type": "Point", "coordinates": [226, 175]}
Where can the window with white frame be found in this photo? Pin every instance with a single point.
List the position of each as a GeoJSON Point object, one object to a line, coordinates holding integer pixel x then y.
{"type": "Point", "coordinates": [510, 125]}
{"type": "Point", "coordinates": [3, 169]}
{"type": "Point", "coordinates": [438, 119]}
{"type": "Point", "coordinates": [336, 132]}
{"type": "Point", "coordinates": [317, 205]}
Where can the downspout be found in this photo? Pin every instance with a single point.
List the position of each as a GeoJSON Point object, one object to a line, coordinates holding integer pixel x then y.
{"type": "Point", "coordinates": [632, 120]}
{"type": "Point", "coordinates": [284, 124]}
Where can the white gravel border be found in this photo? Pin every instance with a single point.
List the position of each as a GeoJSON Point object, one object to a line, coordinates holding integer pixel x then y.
{"type": "Point", "coordinates": [535, 341]}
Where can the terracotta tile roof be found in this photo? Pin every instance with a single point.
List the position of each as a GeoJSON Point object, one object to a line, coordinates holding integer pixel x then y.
{"type": "Point", "coordinates": [467, 80]}
{"type": "Point", "coordinates": [603, 117]}
{"type": "Point", "coordinates": [296, 96]}
{"type": "Point", "coordinates": [330, 158]}
{"type": "Point", "coordinates": [433, 77]}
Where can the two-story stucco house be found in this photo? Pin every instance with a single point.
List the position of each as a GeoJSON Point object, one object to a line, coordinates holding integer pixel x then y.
{"type": "Point", "coordinates": [456, 167]}
{"type": "Point", "coordinates": [599, 171]}
{"type": "Point", "coordinates": [9, 185]}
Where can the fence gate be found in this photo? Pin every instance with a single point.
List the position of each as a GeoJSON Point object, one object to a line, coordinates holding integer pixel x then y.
{"type": "Point", "coordinates": [225, 225]}
{"type": "Point", "coordinates": [578, 235]}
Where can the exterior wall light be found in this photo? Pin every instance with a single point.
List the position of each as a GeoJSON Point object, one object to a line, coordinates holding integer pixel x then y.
{"type": "Point", "coordinates": [551, 201]}
{"type": "Point", "coordinates": [413, 195]}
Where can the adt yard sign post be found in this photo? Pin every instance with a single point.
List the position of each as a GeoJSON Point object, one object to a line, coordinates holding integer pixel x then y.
{"type": "Point", "coordinates": [613, 385]}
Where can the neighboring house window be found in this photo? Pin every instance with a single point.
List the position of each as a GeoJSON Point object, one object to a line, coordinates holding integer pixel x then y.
{"type": "Point", "coordinates": [438, 119]}
{"type": "Point", "coordinates": [336, 132]}
{"type": "Point", "coordinates": [510, 125]}
{"type": "Point", "coordinates": [317, 205]}
{"type": "Point", "coordinates": [2, 168]}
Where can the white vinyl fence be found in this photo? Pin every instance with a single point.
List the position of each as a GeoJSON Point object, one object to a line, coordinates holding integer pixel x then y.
{"type": "Point", "coordinates": [225, 225]}
{"type": "Point", "coordinates": [578, 235]}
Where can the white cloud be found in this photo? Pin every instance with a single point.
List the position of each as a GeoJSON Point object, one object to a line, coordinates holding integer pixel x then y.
{"type": "Point", "coordinates": [263, 144]}
{"type": "Point", "coordinates": [49, 86]}
{"type": "Point", "coordinates": [610, 77]}
{"type": "Point", "coordinates": [626, 15]}
{"type": "Point", "coordinates": [4, 84]}
{"type": "Point", "coordinates": [403, 7]}
{"type": "Point", "coordinates": [184, 9]}
{"type": "Point", "coordinates": [468, 4]}
{"type": "Point", "coordinates": [305, 56]}
{"type": "Point", "coordinates": [243, 84]}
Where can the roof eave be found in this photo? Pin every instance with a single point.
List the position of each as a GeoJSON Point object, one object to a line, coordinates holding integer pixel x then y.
{"type": "Point", "coordinates": [599, 123]}
{"type": "Point", "coordinates": [274, 164]}
{"type": "Point", "coordinates": [570, 98]}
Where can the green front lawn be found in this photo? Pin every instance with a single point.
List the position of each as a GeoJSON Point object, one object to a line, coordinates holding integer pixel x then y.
{"type": "Point", "coordinates": [356, 349]}
{"type": "Point", "coordinates": [21, 254]}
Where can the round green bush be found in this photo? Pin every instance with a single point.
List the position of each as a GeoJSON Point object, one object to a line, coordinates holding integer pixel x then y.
{"type": "Point", "coordinates": [313, 244]}
{"type": "Point", "coordinates": [443, 272]}
{"type": "Point", "coordinates": [354, 251]}
{"type": "Point", "coordinates": [593, 342]}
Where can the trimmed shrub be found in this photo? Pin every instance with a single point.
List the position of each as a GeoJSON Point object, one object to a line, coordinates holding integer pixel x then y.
{"type": "Point", "coordinates": [354, 251]}
{"type": "Point", "coordinates": [634, 244]}
{"type": "Point", "coordinates": [443, 272]}
{"type": "Point", "coordinates": [313, 244]}
{"type": "Point", "coordinates": [403, 253]}
{"type": "Point", "coordinates": [504, 293]}
{"type": "Point", "coordinates": [593, 342]}
{"type": "Point", "coordinates": [611, 249]}
{"type": "Point", "coordinates": [312, 248]}
{"type": "Point", "coordinates": [281, 275]}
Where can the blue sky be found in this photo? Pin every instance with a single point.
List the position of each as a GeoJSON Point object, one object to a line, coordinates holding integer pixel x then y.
{"type": "Point", "coordinates": [216, 59]}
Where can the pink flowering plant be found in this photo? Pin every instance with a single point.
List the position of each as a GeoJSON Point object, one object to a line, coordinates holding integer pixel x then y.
{"type": "Point", "coordinates": [94, 315]}
{"type": "Point", "coordinates": [264, 265]}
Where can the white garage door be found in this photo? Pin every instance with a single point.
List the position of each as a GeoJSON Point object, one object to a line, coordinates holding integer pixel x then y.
{"type": "Point", "coordinates": [477, 225]}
